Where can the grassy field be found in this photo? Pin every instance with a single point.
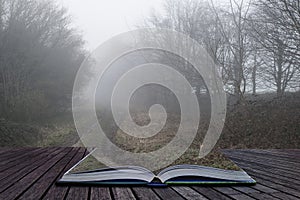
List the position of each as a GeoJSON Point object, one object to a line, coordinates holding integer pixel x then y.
{"type": "Point", "coordinates": [58, 131]}
{"type": "Point", "coordinates": [262, 121]}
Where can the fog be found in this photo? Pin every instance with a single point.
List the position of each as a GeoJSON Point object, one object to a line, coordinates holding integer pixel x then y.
{"type": "Point", "coordinates": [252, 46]}
{"type": "Point", "coordinates": [99, 20]}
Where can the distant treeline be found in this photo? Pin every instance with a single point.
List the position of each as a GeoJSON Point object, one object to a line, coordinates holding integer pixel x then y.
{"type": "Point", "coordinates": [255, 44]}
{"type": "Point", "coordinates": [40, 53]}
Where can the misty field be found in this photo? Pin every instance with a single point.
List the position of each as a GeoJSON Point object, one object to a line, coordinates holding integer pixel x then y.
{"type": "Point", "coordinates": [262, 121]}
{"type": "Point", "coordinates": [253, 46]}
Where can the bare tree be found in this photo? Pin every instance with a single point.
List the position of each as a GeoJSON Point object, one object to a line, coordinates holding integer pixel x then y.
{"type": "Point", "coordinates": [234, 29]}
{"type": "Point", "coordinates": [195, 19]}
{"type": "Point", "coordinates": [255, 43]}
{"type": "Point", "coordinates": [279, 43]}
{"type": "Point", "coordinates": [36, 41]}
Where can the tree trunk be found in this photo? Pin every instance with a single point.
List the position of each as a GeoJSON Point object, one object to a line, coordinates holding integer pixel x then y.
{"type": "Point", "coordinates": [279, 82]}
{"type": "Point", "coordinates": [254, 75]}
{"type": "Point", "coordinates": [238, 76]}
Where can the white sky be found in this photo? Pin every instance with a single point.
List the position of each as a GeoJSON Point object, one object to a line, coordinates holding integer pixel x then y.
{"type": "Point", "coordinates": [99, 20]}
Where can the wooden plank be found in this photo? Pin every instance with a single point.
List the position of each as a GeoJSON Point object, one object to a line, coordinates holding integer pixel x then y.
{"type": "Point", "coordinates": [278, 163]}
{"type": "Point", "coordinates": [284, 154]}
{"type": "Point", "coordinates": [100, 193]}
{"type": "Point", "coordinates": [24, 183]}
{"type": "Point", "coordinates": [266, 153]}
{"type": "Point", "coordinates": [272, 178]}
{"type": "Point", "coordinates": [291, 160]}
{"type": "Point", "coordinates": [290, 152]}
{"type": "Point", "coordinates": [258, 192]}
{"type": "Point", "coordinates": [59, 192]}
{"type": "Point", "coordinates": [263, 196]}
{"type": "Point", "coordinates": [281, 164]}
{"type": "Point", "coordinates": [17, 172]}
{"type": "Point", "coordinates": [272, 183]}
{"type": "Point", "coordinates": [210, 193]}
{"type": "Point", "coordinates": [273, 189]}
{"type": "Point", "coordinates": [11, 154]}
{"type": "Point", "coordinates": [263, 188]}
{"type": "Point", "coordinates": [270, 171]}
{"type": "Point", "coordinates": [3, 150]}
{"type": "Point", "coordinates": [8, 151]}
{"type": "Point", "coordinates": [166, 193]}
{"type": "Point", "coordinates": [122, 193]}
{"type": "Point", "coordinates": [247, 190]}
{"type": "Point", "coordinates": [282, 170]}
{"type": "Point", "coordinates": [145, 193]}
{"type": "Point", "coordinates": [19, 154]}
{"type": "Point", "coordinates": [37, 190]}
{"type": "Point", "coordinates": [17, 160]}
{"type": "Point", "coordinates": [283, 196]}
{"type": "Point", "coordinates": [189, 193]}
{"type": "Point", "coordinates": [258, 188]}
{"type": "Point", "coordinates": [81, 193]}
{"type": "Point", "coordinates": [277, 186]}
{"type": "Point", "coordinates": [241, 196]}
{"type": "Point", "coordinates": [226, 190]}
{"type": "Point", "coordinates": [276, 160]}
{"type": "Point", "coordinates": [73, 190]}
{"type": "Point", "coordinates": [269, 176]}
{"type": "Point", "coordinates": [233, 193]}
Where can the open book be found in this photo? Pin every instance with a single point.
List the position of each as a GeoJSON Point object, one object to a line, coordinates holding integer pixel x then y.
{"type": "Point", "coordinates": [87, 172]}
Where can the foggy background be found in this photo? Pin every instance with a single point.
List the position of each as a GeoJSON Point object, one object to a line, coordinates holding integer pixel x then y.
{"type": "Point", "coordinates": [255, 45]}
{"type": "Point", "coordinates": [100, 20]}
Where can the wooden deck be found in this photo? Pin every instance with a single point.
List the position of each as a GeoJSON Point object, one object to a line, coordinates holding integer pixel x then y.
{"type": "Point", "coordinates": [30, 173]}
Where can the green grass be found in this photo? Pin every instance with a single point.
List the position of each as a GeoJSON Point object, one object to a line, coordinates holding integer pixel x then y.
{"type": "Point", "coordinates": [129, 143]}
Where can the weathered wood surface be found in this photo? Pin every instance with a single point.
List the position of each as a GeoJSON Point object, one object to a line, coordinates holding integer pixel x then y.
{"type": "Point", "coordinates": [31, 173]}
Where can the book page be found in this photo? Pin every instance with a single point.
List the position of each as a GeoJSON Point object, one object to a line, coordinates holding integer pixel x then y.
{"type": "Point", "coordinates": [89, 163]}
{"type": "Point", "coordinates": [197, 172]}
{"type": "Point", "coordinates": [89, 169]}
